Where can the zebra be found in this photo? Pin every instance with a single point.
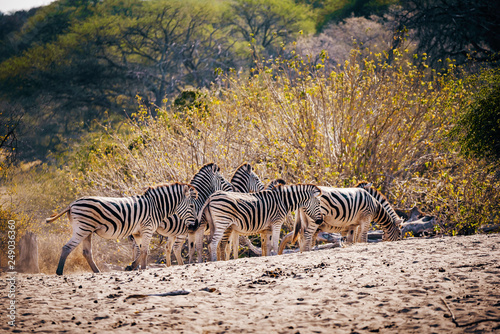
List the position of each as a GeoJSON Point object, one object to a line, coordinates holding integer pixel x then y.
{"type": "Point", "coordinates": [254, 213]}
{"type": "Point", "coordinates": [346, 209]}
{"type": "Point", "coordinates": [244, 180]}
{"type": "Point", "coordinates": [234, 237]}
{"type": "Point", "coordinates": [114, 218]}
{"type": "Point", "coordinates": [207, 181]}
{"type": "Point", "coordinates": [385, 203]}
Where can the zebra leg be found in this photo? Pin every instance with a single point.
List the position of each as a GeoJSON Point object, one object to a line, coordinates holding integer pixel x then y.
{"type": "Point", "coordinates": [179, 241]}
{"type": "Point", "coordinates": [235, 240]}
{"type": "Point", "coordinates": [191, 245]}
{"type": "Point", "coordinates": [224, 250]}
{"type": "Point", "coordinates": [309, 232]}
{"type": "Point", "coordinates": [75, 240]}
{"type": "Point", "coordinates": [168, 250]}
{"type": "Point", "coordinates": [142, 259]}
{"type": "Point", "coordinates": [362, 231]}
{"type": "Point", "coordinates": [217, 236]}
{"type": "Point", "coordinates": [263, 244]}
{"type": "Point", "coordinates": [87, 253]}
{"type": "Point", "coordinates": [275, 237]}
{"type": "Point", "coordinates": [135, 248]}
{"type": "Point", "coordinates": [196, 238]}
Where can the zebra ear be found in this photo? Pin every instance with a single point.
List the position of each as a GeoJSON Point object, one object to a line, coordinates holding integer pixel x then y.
{"type": "Point", "coordinates": [249, 167]}
{"type": "Point", "coordinates": [317, 192]}
{"type": "Point", "coordinates": [190, 192]}
{"type": "Point", "coordinates": [215, 168]}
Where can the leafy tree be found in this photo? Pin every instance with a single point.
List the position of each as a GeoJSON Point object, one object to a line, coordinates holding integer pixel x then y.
{"type": "Point", "coordinates": [462, 30]}
{"type": "Point", "coordinates": [478, 128]}
{"type": "Point", "coordinates": [10, 26]}
{"type": "Point", "coordinates": [265, 24]}
{"type": "Point", "coordinates": [97, 57]}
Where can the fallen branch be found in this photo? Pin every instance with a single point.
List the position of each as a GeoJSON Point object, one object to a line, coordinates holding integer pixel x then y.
{"type": "Point", "coordinates": [166, 294]}
{"type": "Point", "coordinates": [469, 323]}
{"type": "Point", "coordinates": [420, 226]}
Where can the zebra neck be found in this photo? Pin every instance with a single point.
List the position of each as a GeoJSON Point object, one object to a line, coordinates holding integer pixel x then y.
{"type": "Point", "coordinates": [384, 202]}
{"type": "Point", "coordinates": [290, 199]}
{"type": "Point", "coordinates": [163, 207]}
{"type": "Point", "coordinates": [383, 218]}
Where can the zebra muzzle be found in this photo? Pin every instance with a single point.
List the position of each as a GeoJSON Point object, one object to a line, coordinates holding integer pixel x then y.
{"type": "Point", "coordinates": [193, 227]}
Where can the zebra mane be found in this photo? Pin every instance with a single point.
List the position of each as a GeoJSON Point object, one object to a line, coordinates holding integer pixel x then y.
{"type": "Point", "coordinates": [210, 165]}
{"type": "Point", "coordinates": [206, 167]}
{"type": "Point", "coordinates": [274, 184]}
{"type": "Point", "coordinates": [243, 165]}
{"type": "Point", "coordinates": [364, 185]}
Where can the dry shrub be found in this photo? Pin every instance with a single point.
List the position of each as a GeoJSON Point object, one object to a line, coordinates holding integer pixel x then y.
{"type": "Point", "coordinates": [382, 118]}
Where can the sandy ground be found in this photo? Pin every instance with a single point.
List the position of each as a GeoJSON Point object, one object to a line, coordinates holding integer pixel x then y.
{"type": "Point", "coordinates": [391, 287]}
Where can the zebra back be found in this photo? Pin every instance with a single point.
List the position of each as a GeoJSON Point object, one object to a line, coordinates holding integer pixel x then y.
{"type": "Point", "coordinates": [244, 180]}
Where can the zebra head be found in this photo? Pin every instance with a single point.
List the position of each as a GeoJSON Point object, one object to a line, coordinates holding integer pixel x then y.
{"type": "Point", "coordinates": [312, 204]}
{"type": "Point", "coordinates": [306, 196]}
{"type": "Point", "coordinates": [392, 229]}
{"type": "Point", "coordinates": [209, 180]}
{"type": "Point", "coordinates": [394, 233]}
{"type": "Point", "coordinates": [186, 207]}
{"type": "Point", "coordinates": [245, 180]}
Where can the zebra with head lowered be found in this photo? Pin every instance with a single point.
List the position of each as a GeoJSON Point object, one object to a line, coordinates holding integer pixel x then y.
{"type": "Point", "coordinates": [392, 234]}
{"type": "Point", "coordinates": [345, 210]}
{"type": "Point", "coordinates": [254, 213]}
{"type": "Point", "coordinates": [244, 180]}
{"type": "Point", "coordinates": [113, 218]}
{"type": "Point", "coordinates": [207, 181]}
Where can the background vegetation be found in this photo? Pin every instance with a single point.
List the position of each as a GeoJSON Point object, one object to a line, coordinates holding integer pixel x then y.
{"type": "Point", "coordinates": [107, 97]}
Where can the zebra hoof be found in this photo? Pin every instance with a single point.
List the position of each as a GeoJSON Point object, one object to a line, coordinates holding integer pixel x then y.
{"type": "Point", "coordinates": [129, 268]}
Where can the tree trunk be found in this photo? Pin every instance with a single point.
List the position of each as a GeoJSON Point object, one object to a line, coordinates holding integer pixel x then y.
{"type": "Point", "coordinates": [28, 254]}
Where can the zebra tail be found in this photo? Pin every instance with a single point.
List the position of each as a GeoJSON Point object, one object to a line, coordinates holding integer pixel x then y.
{"type": "Point", "coordinates": [296, 228]}
{"type": "Point", "coordinates": [56, 215]}
{"type": "Point", "coordinates": [208, 217]}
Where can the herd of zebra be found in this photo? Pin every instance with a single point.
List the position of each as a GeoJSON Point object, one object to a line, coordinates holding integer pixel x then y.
{"type": "Point", "coordinates": [228, 212]}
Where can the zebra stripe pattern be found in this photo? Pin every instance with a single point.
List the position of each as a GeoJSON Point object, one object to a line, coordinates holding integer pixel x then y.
{"type": "Point", "coordinates": [244, 180]}
{"type": "Point", "coordinates": [207, 181]}
{"type": "Point", "coordinates": [346, 209]}
{"type": "Point", "coordinates": [253, 213]}
{"type": "Point", "coordinates": [390, 234]}
{"type": "Point", "coordinates": [233, 237]}
{"type": "Point", "coordinates": [113, 218]}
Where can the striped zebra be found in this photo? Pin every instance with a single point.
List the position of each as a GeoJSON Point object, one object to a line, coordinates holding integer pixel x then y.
{"type": "Point", "coordinates": [346, 209]}
{"type": "Point", "coordinates": [231, 239]}
{"type": "Point", "coordinates": [114, 218]}
{"type": "Point", "coordinates": [244, 180]}
{"type": "Point", "coordinates": [388, 207]}
{"type": "Point", "coordinates": [258, 212]}
{"type": "Point", "coordinates": [207, 181]}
